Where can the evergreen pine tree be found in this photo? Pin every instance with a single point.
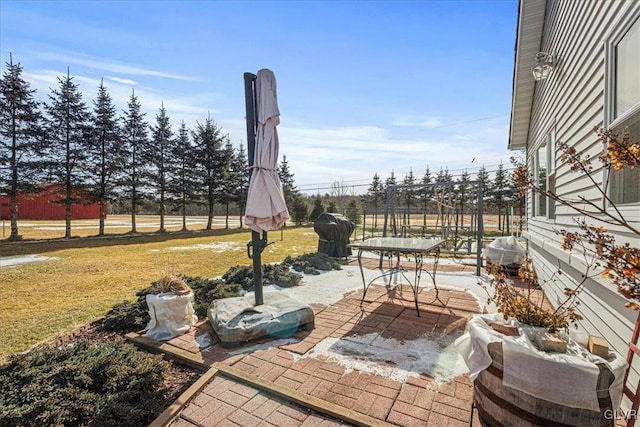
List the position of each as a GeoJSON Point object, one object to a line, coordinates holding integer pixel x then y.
{"type": "Point", "coordinates": [499, 192]}
{"type": "Point", "coordinates": [229, 183]}
{"type": "Point", "coordinates": [375, 197]}
{"type": "Point", "coordinates": [318, 208]}
{"type": "Point", "coordinates": [288, 184]}
{"type": "Point", "coordinates": [425, 194]}
{"type": "Point", "coordinates": [409, 193]}
{"type": "Point", "coordinates": [208, 141]}
{"type": "Point", "coordinates": [21, 138]}
{"type": "Point", "coordinates": [444, 177]}
{"type": "Point", "coordinates": [68, 134]}
{"type": "Point", "coordinates": [106, 154]}
{"type": "Point", "coordinates": [354, 211]}
{"type": "Point", "coordinates": [241, 169]}
{"type": "Point", "coordinates": [463, 193]}
{"type": "Point", "coordinates": [158, 156]}
{"type": "Point", "coordinates": [444, 195]}
{"type": "Point", "coordinates": [391, 182]}
{"type": "Point", "coordinates": [518, 197]}
{"type": "Point", "coordinates": [483, 177]}
{"type": "Point", "coordinates": [135, 143]}
{"type": "Point", "coordinates": [182, 183]}
{"type": "Point", "coordinates": [300, 209]}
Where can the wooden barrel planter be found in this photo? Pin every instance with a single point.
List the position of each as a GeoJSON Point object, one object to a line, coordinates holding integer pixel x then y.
{"type": "Point", "coordinates": [498, 405]}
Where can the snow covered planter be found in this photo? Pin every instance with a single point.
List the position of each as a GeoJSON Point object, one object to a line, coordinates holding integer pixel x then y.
{"type": "Point", "coordinates": [170, 308]}
{"type": "Point", "coordinates": [506, 252]}
{"type": "Point", "coordinates": [517, 384]}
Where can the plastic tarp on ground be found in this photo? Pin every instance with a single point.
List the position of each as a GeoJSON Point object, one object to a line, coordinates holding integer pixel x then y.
{"type": "Point", "coordinates": [334, 231]}
{"type": "Point", "coordinates": [238, 320]}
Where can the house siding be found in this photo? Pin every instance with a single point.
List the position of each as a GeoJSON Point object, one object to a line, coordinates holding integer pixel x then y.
{"type": "Point", "coordinates": [571, 102]}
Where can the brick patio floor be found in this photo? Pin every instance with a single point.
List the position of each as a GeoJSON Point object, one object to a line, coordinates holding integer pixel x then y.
{"type": "Point", "coordinates": [230, 400]}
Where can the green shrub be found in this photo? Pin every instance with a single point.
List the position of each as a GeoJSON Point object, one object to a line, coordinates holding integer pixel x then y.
{"type": "Point", "coordinates": [134, 316]}
{"type": "Point", "coordinates": [312, 263]}
{"type": "Point", "coordinates": [82, 384]}
{"type": "Point", "coordinates": [128, 316]}
{"type": "Point", "coordinates": [207, 290]}
{"type": "Point", "coordinates": [272, 274]}
{"type": "Point", "coordinates": [239, 275]}
{"type": "Point", "coordinates": [280, 275]}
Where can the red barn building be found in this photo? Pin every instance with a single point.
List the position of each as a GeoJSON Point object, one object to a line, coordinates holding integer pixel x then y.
{"type": "Point", "coordinates": [46, 205]}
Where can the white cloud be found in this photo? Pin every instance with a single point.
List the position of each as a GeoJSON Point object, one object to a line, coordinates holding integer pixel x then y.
{"type": "Point", "coordinates": [43, 80]}
{"type": "Point", "coordinates": [320, 156]}
{"type": "Point", "coordinates": [426, 123]}
{"type": "Point", "coordinates": [188, 108]}
{"type": "Point", "coordinates": [123, 81]}
{"type": "Point", "coordinates": [111, 66]}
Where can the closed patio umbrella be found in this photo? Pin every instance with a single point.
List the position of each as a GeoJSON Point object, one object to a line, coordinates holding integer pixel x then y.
{"type": "Point", "coordinates": [266, 209]}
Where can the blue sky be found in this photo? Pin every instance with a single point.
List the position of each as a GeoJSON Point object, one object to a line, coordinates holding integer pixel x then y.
{"type": "Point", "coordinates": [364, 87]}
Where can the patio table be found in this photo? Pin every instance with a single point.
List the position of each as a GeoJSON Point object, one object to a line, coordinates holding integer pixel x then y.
{"type": "Point", "coordinates": [395, 247]}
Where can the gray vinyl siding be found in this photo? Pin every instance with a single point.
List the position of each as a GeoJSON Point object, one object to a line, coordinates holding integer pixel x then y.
{"type": "Point", "coordinates": [571, 103]}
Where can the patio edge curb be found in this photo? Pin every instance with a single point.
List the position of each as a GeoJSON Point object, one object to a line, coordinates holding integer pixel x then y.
{"type": "Point", "coordinates": [173, 411]}
{"type": "Point", "coordinates": [192, 360]}
{"type": "Point", "coordinates": [308, 401]}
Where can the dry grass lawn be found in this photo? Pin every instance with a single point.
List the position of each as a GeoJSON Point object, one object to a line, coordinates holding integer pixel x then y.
{"type": "Point", "coordinates": [41, 300]}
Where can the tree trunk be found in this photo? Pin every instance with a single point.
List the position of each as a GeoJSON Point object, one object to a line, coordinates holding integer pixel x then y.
{"type": "Point", "coordinates": [14, 183]}
{"type": "Point", "coordinates": [184, 212]}
{"type": "Point", "coordinates": [210, 217]}
{"type": "Point", "coordinates": [226, 219]}
{"type": "Point", "coordinates": [67, 212]}
{"type": "Point", "coordinates": [162, 211]}
{"type": "Point", "coordinates": [103, 214]}
{"type": "Point", "coordinates": [134, 190]}
{"type": "Point", "coordinates": [14, 217]}
{"type": "Point", "coordinates": [103, 187]}
{"type": "Point", "coordinates": [14, 205]}
{"type": "Point", "coordinates": [67, 204]}
{"type": "Point", "coordinates": [134, 195]}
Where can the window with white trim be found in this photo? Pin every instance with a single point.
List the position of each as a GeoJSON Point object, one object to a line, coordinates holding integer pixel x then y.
{"type": "Point", "coordinates": [624, 56]}
{"type": "Point", "coordinates": [544, 169]}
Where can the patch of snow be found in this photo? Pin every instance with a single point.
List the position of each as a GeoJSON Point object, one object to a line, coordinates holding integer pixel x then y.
{"type": "Point", "coordinates": [9, 261]}
{"type": "Point", "coordinates": [203, 340]}
{"type": "Point", "coordinates": [329, 287]}
{"type": "Point", "coordinates": [397, 360]}
{"type": "Point", "coordinates": [461, 281]}
{"type": "Point", "coordinates": [371, 353]}
{"type": "Point", "coordinates": [326, 288]}
{"type": "Point", "coordinates": [215, 247]}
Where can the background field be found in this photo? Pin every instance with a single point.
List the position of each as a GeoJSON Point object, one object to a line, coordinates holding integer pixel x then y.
{"type": "Point", "coordinates": [86, 277]}
{"type": "Point", "coordinates": [114, 225]}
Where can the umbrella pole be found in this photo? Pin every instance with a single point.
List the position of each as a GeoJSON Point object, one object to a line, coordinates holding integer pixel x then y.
{"type": "Point", "coordinates": [258, 246]}
{"type": "Point", "coordinates": [256, 243]}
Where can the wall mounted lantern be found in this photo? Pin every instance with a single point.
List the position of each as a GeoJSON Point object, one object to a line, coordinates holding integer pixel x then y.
{"type": "Point", "coordinates": [543, 66]}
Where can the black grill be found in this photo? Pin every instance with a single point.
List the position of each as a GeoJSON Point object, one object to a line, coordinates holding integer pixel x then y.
{"type": "Point", "coordinates": [334, 231]}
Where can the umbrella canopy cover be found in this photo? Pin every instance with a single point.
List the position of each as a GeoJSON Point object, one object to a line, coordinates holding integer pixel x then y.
{"type": "Point", "coordinates": [266, 209]}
